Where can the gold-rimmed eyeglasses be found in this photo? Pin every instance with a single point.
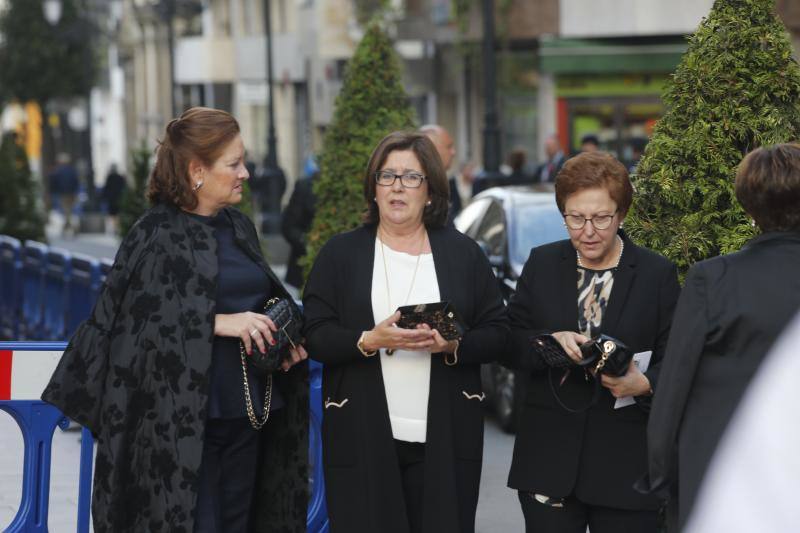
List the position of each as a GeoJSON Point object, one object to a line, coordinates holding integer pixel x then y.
{"type": "Point", "coordinates": [409, 180]}
{"type": "Point", "coordinates": [598, 221]}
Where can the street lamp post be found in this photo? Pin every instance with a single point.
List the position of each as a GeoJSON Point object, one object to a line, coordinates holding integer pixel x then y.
{"type": "Point", "coordinates": [491, 129]}
{"type": "Point", "coordinates": [272, 177]}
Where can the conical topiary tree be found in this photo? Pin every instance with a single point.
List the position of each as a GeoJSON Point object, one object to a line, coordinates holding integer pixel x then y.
{"type": "Point", "coordinates": [736, 88]}
{"type": "Point", "coordinates": [371, 105]}
{"type": "Point", "coordinates": [21, 215]}
{"type": "Point", "coordinates": [134, 203]}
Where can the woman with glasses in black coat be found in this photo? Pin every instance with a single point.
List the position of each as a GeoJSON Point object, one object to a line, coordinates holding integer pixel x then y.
{"type": "Point", "coordinates": [402, 432]}
{"type": "Point", "coordinates": [576, 457]}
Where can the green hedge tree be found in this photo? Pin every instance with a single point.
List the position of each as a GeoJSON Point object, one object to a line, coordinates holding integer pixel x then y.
{"type": "Point", "coordinates": [736, 88]}
{"type": "Point", "coordinates": [371, 104]}
{"type": "Point", "coordinates": [134, 203]}
{"type": "Point", "coordinates": [21, 213]}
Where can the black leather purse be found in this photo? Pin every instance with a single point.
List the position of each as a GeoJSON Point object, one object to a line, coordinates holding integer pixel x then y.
{"type": "Point", "coordinates": [601, 355]}
{"type": "Point", "coordinates": [288, 318]}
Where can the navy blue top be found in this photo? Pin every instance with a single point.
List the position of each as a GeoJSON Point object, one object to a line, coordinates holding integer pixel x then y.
{"type": "Point", "coordinates": [242, 285]}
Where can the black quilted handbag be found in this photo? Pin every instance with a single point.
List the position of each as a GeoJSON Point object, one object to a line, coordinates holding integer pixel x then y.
{"type": "Point", "coordinates": [601, 355]}
{"type": "Point", "coordinates": [285, 314]}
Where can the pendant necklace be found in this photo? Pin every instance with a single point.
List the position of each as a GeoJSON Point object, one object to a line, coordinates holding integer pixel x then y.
{"type": "Point", "coordinates": [390, 351]}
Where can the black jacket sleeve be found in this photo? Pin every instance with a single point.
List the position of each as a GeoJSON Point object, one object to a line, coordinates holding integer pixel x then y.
{"type": "Point", "coordinates": [519, 353]}
{"type": "Point", "coordinates": [683, 351]}
{"type": "Point", "coordinates": [667, 299]}
{"type": "Point", "coordinates": [327, 340]}
{"type": "Point", "coordinates": [485, 342]}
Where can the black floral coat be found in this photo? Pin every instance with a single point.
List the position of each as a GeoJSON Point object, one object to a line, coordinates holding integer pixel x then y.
{"type": "Point", "coordinates": [136, 374]}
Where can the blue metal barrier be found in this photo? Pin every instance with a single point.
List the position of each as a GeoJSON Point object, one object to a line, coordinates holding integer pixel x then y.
{"type": "Point", "coordinates": [57, 271]}
{"type": "Point", "coordinates": [317, 509]}
{"type": "Point", "coordinates": [37, 421]}
{"type": "Point", "coordinates": [10, 281]}
{"type": "Point", "coordinates": [83, 290]}
{"type": "Point", "coordinates": [33, 257]}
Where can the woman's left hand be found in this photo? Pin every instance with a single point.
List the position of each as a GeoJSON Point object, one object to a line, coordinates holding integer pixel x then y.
{"type": "Point", "coordinates": [295, 356]}
{"type": "Point", "coordinates": [440, 344]}
{"type": "Point", "coordinates": [633, 383]}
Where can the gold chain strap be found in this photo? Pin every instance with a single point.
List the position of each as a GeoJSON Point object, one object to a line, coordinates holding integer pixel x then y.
{"type": "Point", "coordinates": [248, 401]}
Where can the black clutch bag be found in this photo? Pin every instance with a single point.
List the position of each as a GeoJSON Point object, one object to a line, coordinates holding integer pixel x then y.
{"type": "Point", "coordinates": [601, 355]}
{"type": "Point", "coordinates": [285, 314]}
{"type": "Point", "coordinates": [440, 316]}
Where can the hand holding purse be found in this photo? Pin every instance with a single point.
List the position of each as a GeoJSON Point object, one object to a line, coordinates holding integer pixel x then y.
{"type": "Point", "coordinates": [601, 355]}
{"type": "Point", "coordinates": [285, 314]}
{"type": "Point", "coordinates": [441, 316]}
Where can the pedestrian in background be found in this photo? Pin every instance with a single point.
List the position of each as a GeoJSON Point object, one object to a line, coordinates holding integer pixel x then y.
{"type": "Point", "coordinates": [402, 434]}
{"type": "Point", "coordinates": [112, 195]}
{"type": "Point", "coordinates": [64, 185]}
{"type": "Point", "coordinates": [516, 160]}
{"type": "Point", "coordinates": [590, 143]}
{"type": "Point", "coordinates": [156, 372]}
{"type": "Point", "coordinates": [446, 149]}
{"type": "Point", "coordinates": [574, 468]}
{"type": "Point", "coordinates": [548, 170]}
{"type": "Point", "coordinates": [296, 222]}
{"type": "Point", "coordinates": [731, 310]}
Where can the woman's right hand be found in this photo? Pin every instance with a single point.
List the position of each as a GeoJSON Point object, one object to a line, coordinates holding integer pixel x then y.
{"type": "Point", "coordinates": [386, 335]}
{"type": "Point", "coordinates": [571, 342]}
{"type": "Point", "coordinates": [249, 327]}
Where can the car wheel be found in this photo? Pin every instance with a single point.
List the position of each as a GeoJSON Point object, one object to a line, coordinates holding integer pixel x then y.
{"type": "Point", "coordinates": [504, 398]}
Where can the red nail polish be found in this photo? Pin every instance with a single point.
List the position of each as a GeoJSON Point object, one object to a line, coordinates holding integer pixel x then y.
{"type": "Point", "coordinates": [272, 342]}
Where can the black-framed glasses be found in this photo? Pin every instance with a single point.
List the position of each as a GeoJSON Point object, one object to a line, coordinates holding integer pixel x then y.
{"type": "Point", "coordinates": [598, 221]}
{"type": "Point", "coordinates": [409, 180]}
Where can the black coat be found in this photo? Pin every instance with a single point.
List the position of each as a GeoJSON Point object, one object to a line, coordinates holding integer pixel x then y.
{"type": "Point", "coordinates": [362, 477]}
{"type": "Point", "coordinates": [136, 374]}
{"type": "Point", "coordinates": [731, 311]}
{"type": "Point", "coordinates": [597, 454]}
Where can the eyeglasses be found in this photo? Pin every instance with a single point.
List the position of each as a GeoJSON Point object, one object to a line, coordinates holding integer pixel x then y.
{"type": "Point", "coordinates": [411, 180]}
{"type": "Point", "coordinates": [598, 221]}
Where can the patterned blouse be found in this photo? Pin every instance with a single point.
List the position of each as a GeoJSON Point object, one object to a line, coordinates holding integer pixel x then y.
{"type": "Point", "coordinates": [594, 291]}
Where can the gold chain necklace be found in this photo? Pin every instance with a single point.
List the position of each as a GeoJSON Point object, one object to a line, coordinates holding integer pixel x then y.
{"type": "Point", "coordinates": [390, 351]}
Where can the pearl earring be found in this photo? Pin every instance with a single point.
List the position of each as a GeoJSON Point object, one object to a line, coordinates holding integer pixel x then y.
{"type": "Point", "coordinates": [198, 185]}
{"type": "Point", "coordinates": [428, 202]}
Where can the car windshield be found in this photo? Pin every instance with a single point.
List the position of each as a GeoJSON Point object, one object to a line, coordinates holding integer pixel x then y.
{"type": "Point", "coordinates": [535, 224]}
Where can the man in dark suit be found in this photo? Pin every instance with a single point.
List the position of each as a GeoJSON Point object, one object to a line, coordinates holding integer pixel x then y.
{"type": "Point", "coordinates": [447, 152]}
{"type": "Point", "coordinates": [555, 160]}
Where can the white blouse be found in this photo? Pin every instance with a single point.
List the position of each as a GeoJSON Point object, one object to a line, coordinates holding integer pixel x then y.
{"type": "Point", "coordinates": [406, 374]}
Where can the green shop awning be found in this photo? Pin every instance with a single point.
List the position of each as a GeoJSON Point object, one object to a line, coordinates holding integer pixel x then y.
{"type": "Point", "coordinates": [605, 56]}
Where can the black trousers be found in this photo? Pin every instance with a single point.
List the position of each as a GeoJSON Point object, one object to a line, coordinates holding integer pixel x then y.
{"type": "Point", "coordinates": [411, 459]}
{"type": "Point", "coordinates": [574, 516]}
{"type": "Point", "coordinates": [227, 476]}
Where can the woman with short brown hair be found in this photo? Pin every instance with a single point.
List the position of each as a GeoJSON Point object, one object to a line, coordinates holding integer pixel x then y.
{"type": "Point", "coordinates": [577, 455]}
{"type": "Point", "coordinates": [730, 312]}
{"type": "Point", "coordinates": [402, 435]}
{"type": "Point", "coordinates": [158, 373]}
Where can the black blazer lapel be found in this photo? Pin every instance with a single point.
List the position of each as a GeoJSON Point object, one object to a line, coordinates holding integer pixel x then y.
{"type": "Point", "coordinates": [444, 271]}
{"type": "Point", "coordinates": [362, 263]}
{"type": "Point", "coordinates": [567, 284]}
{"type": "Point", "coordinates": [623, 281]}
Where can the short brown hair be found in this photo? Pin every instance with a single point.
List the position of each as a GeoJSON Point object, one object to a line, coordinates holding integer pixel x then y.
{"type": "Point", "coordinates": [595, 170]}
{"type": "Point", "coordinates": [435, 215]}
{"type": "Point", "coordinates": [200, 133]}
{"type": "Point", "coordinates": [768, 186]}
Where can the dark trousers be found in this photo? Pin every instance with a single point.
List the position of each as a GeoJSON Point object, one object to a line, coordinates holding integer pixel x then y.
{"type": "Point", "coordinates": [227, 476]}
{"type": "Point", "coordinates": [411, 459]}
{"type": "Point", "coordinates": [575, 515]}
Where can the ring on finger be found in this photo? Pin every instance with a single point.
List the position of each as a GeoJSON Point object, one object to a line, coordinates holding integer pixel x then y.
{"type": "Point", "coordinates": [253, 333]}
